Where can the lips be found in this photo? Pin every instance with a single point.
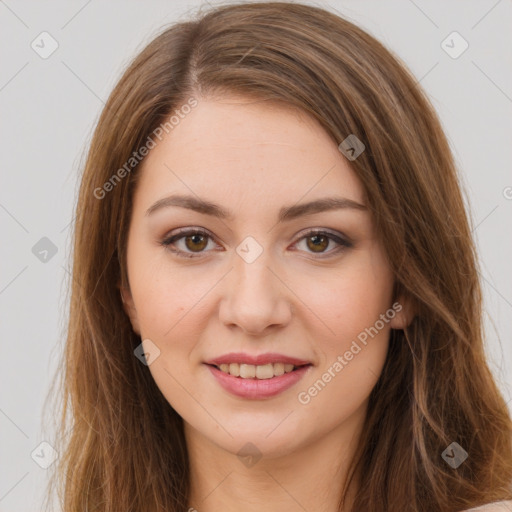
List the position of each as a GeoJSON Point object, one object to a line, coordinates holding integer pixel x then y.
{"type": "Point", "coordinates": [258, 389]}
{"type": "Point", "coordinates": [259, 360]}
{"type": "Point", "coordinates": [257, 377]}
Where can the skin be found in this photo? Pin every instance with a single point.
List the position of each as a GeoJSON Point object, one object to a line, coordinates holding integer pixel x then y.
{"type": "Point", "coordinates": [253, 158]}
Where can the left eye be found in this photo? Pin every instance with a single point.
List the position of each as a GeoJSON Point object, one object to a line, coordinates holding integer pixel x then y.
{"type": "Point", "coordinates": [197, 240]}
{"type": "Point", "coordinates": [318, 241]}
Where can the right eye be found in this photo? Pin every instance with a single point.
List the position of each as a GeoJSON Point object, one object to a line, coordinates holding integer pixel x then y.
{"type": "Point", "coordinates": [194, 240]}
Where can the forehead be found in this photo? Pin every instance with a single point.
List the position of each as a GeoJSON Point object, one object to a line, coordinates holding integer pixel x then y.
{"type": "Point", "coordinates": [234, 149]}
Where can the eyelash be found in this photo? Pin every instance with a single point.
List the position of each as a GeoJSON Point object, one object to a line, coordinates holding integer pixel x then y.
{"type": "Point", "coordinates": [167, 242]}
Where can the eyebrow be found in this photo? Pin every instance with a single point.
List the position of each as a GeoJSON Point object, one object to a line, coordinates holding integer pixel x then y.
{"type": "Point", "coordinates": [286, 213]}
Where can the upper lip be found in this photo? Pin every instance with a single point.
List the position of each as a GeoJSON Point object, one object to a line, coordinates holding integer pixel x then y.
{"type": "Point", "coordinates": [261, 359]}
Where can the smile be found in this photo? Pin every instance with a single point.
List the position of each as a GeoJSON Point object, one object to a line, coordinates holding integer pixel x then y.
{"type": "Point", "coordinates": [251, 371]}
{"type": "Point", "coordinates": [257, 382]}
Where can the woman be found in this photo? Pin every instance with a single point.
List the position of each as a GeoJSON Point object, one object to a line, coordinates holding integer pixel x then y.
{"type": "Point", "coordinates": [275, 301]}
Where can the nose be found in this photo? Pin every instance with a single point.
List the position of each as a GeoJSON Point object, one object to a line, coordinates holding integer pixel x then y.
{"type": "Point", "coordinates": [254, 298]}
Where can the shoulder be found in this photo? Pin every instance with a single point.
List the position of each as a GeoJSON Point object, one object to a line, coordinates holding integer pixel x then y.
{"type": "Point", "coordinates": [498, 506]}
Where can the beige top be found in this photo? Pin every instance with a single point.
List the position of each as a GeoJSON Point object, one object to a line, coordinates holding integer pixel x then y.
{"type": "Point", "coordinates": [498, 506]}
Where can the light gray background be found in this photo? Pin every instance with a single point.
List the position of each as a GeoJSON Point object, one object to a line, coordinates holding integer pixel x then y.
{"type": "Point", "coordinates": [48, 109]}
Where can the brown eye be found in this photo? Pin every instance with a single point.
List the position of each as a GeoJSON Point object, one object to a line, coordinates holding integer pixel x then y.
{"type": "Point", "coordinates": [196, 242]}
{"type": "Point", "coordinates": [188, 243]}
{"type": "Point", "coordinates": [317, 243]}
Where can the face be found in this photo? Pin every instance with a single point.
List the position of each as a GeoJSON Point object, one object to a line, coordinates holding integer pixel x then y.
{"type": "Point", "coordinates": [253, 282]}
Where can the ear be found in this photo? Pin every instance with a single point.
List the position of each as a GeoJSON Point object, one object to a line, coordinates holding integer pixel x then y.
{"type": "Point", "coordinates": [129, 307]}
{"type": "Point", "coordinates": [404, 312]}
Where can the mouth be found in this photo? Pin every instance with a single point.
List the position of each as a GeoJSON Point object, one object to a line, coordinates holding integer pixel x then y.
{"type": "Point", "coordinates": [257, 378]}
{"type": "Point", "coordinates": [258, 372]}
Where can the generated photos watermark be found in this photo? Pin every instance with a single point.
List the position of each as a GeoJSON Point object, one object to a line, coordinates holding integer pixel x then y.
{"type": "Point", "coordinates": [342, 361]}
{"type": "Point", "coordinates": [137, 156]}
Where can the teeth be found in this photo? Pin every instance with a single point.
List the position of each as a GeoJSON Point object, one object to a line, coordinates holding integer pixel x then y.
{"type": "Point", "coordinates": [250, 371]}
{"type": "Point", "coordinates": [278, 369]}
{"type": "Point", "coordinates": [265, 371]}
{"type": "Point", "coordinates": [247, 371]}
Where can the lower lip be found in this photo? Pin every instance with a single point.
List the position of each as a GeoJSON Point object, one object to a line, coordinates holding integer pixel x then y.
{"type": "Point", "coordinates": [258, 388]}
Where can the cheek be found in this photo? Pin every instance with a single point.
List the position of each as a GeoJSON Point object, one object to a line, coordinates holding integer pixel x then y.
{"type": "Point", "coordinates": [163, 293]}
{"type": "Point", "coordinates": [353, 355]}
{"type": "Point", "coordinates": [342, 386]}
{"type": "Point", "coordinates": [351, 301]}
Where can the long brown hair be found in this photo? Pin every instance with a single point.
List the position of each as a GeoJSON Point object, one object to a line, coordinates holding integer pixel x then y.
{"type": "Point", "coordinates": [121, 444]}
